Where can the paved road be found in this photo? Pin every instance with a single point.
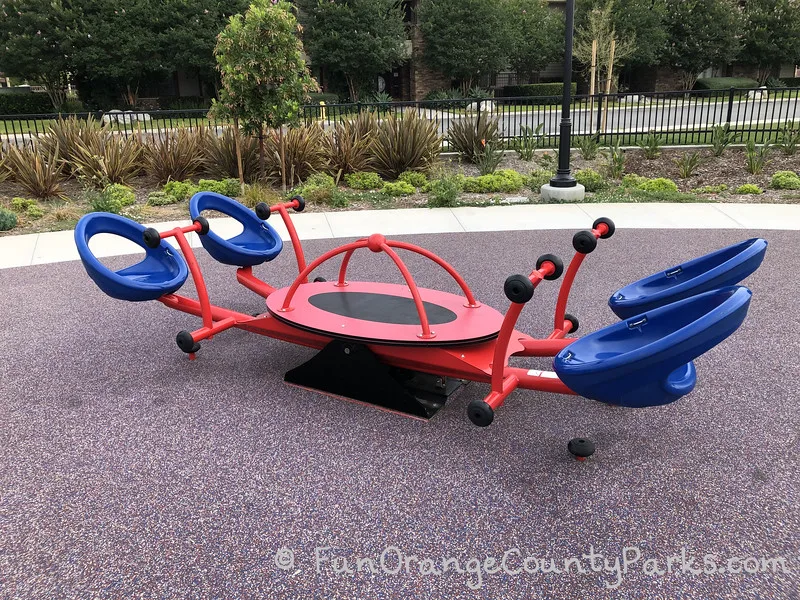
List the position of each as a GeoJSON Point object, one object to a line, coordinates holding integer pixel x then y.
{"type": "Point", "coordinates": [129, 472]}
{"type": "Point", "coordinates": [662, 115]}
{"type": "Point", "coordinates": [645, 116]}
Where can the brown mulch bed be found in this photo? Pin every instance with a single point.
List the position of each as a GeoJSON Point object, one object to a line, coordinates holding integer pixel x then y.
{"type": "Point", "coordinates": [61, 214]}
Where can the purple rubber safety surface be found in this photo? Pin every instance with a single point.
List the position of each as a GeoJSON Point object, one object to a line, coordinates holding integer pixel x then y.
{"type": "Point", "coordinates": [127, 471]}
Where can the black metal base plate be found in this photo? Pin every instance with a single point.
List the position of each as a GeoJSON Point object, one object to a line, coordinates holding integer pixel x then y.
{"type": "Point", "coordinates": [352, 370]}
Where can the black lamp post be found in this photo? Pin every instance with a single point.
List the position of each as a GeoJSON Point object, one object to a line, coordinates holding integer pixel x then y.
{"type": "Point", "coordinates": [564, 178]}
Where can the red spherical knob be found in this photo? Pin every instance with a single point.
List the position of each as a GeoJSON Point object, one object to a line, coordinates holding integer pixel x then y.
{"type": "Point", "coordinates": [375, 241]}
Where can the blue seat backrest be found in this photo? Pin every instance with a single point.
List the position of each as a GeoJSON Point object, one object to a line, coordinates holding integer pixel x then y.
{"type": "Point", "coordinates": [257, 243]}
{"type": "Point", "coordinates": [162, 271]}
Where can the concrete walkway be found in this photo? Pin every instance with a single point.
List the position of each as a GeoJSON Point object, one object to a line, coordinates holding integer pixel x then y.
{"type": "Point", "coordinates": [59, 246]}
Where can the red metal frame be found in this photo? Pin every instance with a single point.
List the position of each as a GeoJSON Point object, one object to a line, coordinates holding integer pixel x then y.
{"type": "Point", "coordinates": [485, 362]}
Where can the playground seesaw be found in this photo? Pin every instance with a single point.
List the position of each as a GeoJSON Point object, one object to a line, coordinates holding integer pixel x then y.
{"type": "Point", "coordinates": [407, 348]}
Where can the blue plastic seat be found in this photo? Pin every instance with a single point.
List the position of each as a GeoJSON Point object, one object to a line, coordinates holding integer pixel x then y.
{"type": "Point", "coordinates": [161, 272]}
{"type": "Point", "coordinates": [727, 266]}
{"type": "Point", "coordinates": [647, 359]}
{"type": "Point", "coordinates": [257, 243]}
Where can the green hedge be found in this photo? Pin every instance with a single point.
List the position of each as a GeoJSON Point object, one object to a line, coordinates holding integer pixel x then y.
{"type": "Point", "coordinates": [791, 82]}
{"type": "Point", "coordinates": [27, 103]}
{"type": "Point", "coordinates": [326, 98]}
{"type": "Point", "coordinates": [535, 89]}
{"type": "Point", "coordinates": [724, 83]}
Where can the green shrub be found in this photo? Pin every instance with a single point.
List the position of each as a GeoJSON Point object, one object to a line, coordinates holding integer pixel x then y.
{"type": "Point", "coordinates": [177, 155]}
{"type": "Point", "coordinates": [548, 160]}
{"type": "Point", "coordinates": [405, 143]}
{"type": "Point", "coordinates": [505, 180]}
{"type": "Point", "coordinates": [651, 146]}
{"type": "Point", "coordinates": [316, 98]}
{"type": "Point", "coordinates": [588, 145]}
{"type": "Point", "coordinates": [710, 189]}
{"type": "Point", "coordinates": [538, 178]}
{"type": "Point", "coordinates": [687, 164]}
{"type": "Point", "coordinates": [337, 198]}
{"type": "Point", "coordinates": [489, 157]}
{"type": "Point", "coordinates": [615, 161]}
{"type": "Point", "coordinates": [470, 136]}
{"type": "Point", "coordinates": [180, 190]}
{"type": "Point", "coordinates": [22, 204]}
{"type": "Point", "coordinates": [398, 188]}
{"type": "Point", "coordinates": [632, 180]}
{"type": "Point", "coordinates": [25, 104]}
{"type": "Point", "coordinates": [364, 181]}
{"type": "Point", "coordinates": [112, 198]}
{"type": "Point", "coordinates": [725, 83]}
{"type": "Point", "coordinates": [749, 188]}
{"type": "Point", "coordinates": [789, 140]}
{"type": "Point", "coordinates": [317, 188]}
{"type": "Point", "coordinates": [226, 187]}
{"type": "Point", "coordinates": [8, 220]}
{"type": "Point", "coordinates": [160, 199]}
{"type": "Point", "coordinates": [757, 156]}
{"type": "Point", "coordinates": [415, 178]}
{"type": "Point", "coordinates": [721, 138]}
{"type": "Point", "coordinates": [38, 172]}
{"type": "Point", "coordinates": [659, 184]}
{"type": "Point", "coordinates": [444, 191]}
{"type": "Point", "coordinates": [590, 179]}
{"type": "Point", "coordinates": [259, 192]}
{"type": "Point", "coordinates": [34, 212]}
{"type": "Point", "coordinates": [120, 193]}
{"type": "Point", "coordinates": [785, 180]}
{"type": "Point", "coordinates": [526, 144]}
{"type": "Point", "coordinates": [545, 93]}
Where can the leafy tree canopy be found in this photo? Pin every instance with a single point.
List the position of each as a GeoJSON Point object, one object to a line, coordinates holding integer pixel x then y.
{"type": "Point", "coordinates": [35, 43]}
{"type": "Point", "coordinates": [465, 38]}
{"type": "Point", "coordinates": [537, 35]}
{"type": "Point", "coordinates": [771, 34]}
{"type": "Point", "coordinates": [359, 38]}
{"type": "Point", "coordinates": [700, 34]}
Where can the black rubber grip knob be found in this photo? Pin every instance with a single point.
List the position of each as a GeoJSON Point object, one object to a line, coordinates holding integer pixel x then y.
{"type": "Point", "coordinates": [262, 211]}
{"type": "Point", "coordinates": [301, 203]}
{"type": "Point", "coordinates": [518, 289]}
{"type": "Point", "coordinates": [609, 223]}
{"type": "Point", "coordinates": [584, 242]}
{"type": "Point", "coordinates": [556, 262]}
{"type": "Point", "coordinates": [581, 447]}
{"type": "Point", "coordinates": [186, 342]}
{"type": "Point", "coordinates": [480, 413]}
{"type": "Point", "coordinates": [152, 239]}
{"type": "Point", "coordinates": [204, 227]}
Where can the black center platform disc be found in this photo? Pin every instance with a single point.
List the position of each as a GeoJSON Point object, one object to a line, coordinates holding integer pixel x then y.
{"type": "Point", "coordinates": [384, 313]}
{"type": "Point", "coordinates": [379, 308]}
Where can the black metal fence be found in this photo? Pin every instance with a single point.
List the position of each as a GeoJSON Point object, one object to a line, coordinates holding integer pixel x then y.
{"type": "Point", "coordinates": [678, 118]}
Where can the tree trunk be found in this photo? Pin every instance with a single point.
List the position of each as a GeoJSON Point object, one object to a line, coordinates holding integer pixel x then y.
{"type": "Point", "coordinates": [261, 152]}
{"type": "Point", "coordinates": [351, 87]}
{"type": "Point", "coordinates": [688, 80]}
{"type": "Point", "coordinates": [238, 152]}
{"type": "Point", "coordinates": [283, 160]}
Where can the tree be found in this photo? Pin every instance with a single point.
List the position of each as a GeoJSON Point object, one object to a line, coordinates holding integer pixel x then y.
{"type": "Point", "coordinates": [771, 35]}
{"type": "Point", "coordinates": [537, 35]}
{"type": "Point", "coordinates": [264, 75]}
{"type": "Point", "coordinates": [359, 38]}
{"type": "Point", "coordinates": [120, 44]}
{"type": "Point", "coordinates": [465, 39]}
{"type": "Point", "coordinates": [599, 26]}
{"type": "Point", "coordinates": [701, 34]}
{"type": "Point", "coordinates": [191, 34]}
{"type": "Point", "coordinates": [34, 44]}
{"type": "Point", "coordinates": [641, 20]}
